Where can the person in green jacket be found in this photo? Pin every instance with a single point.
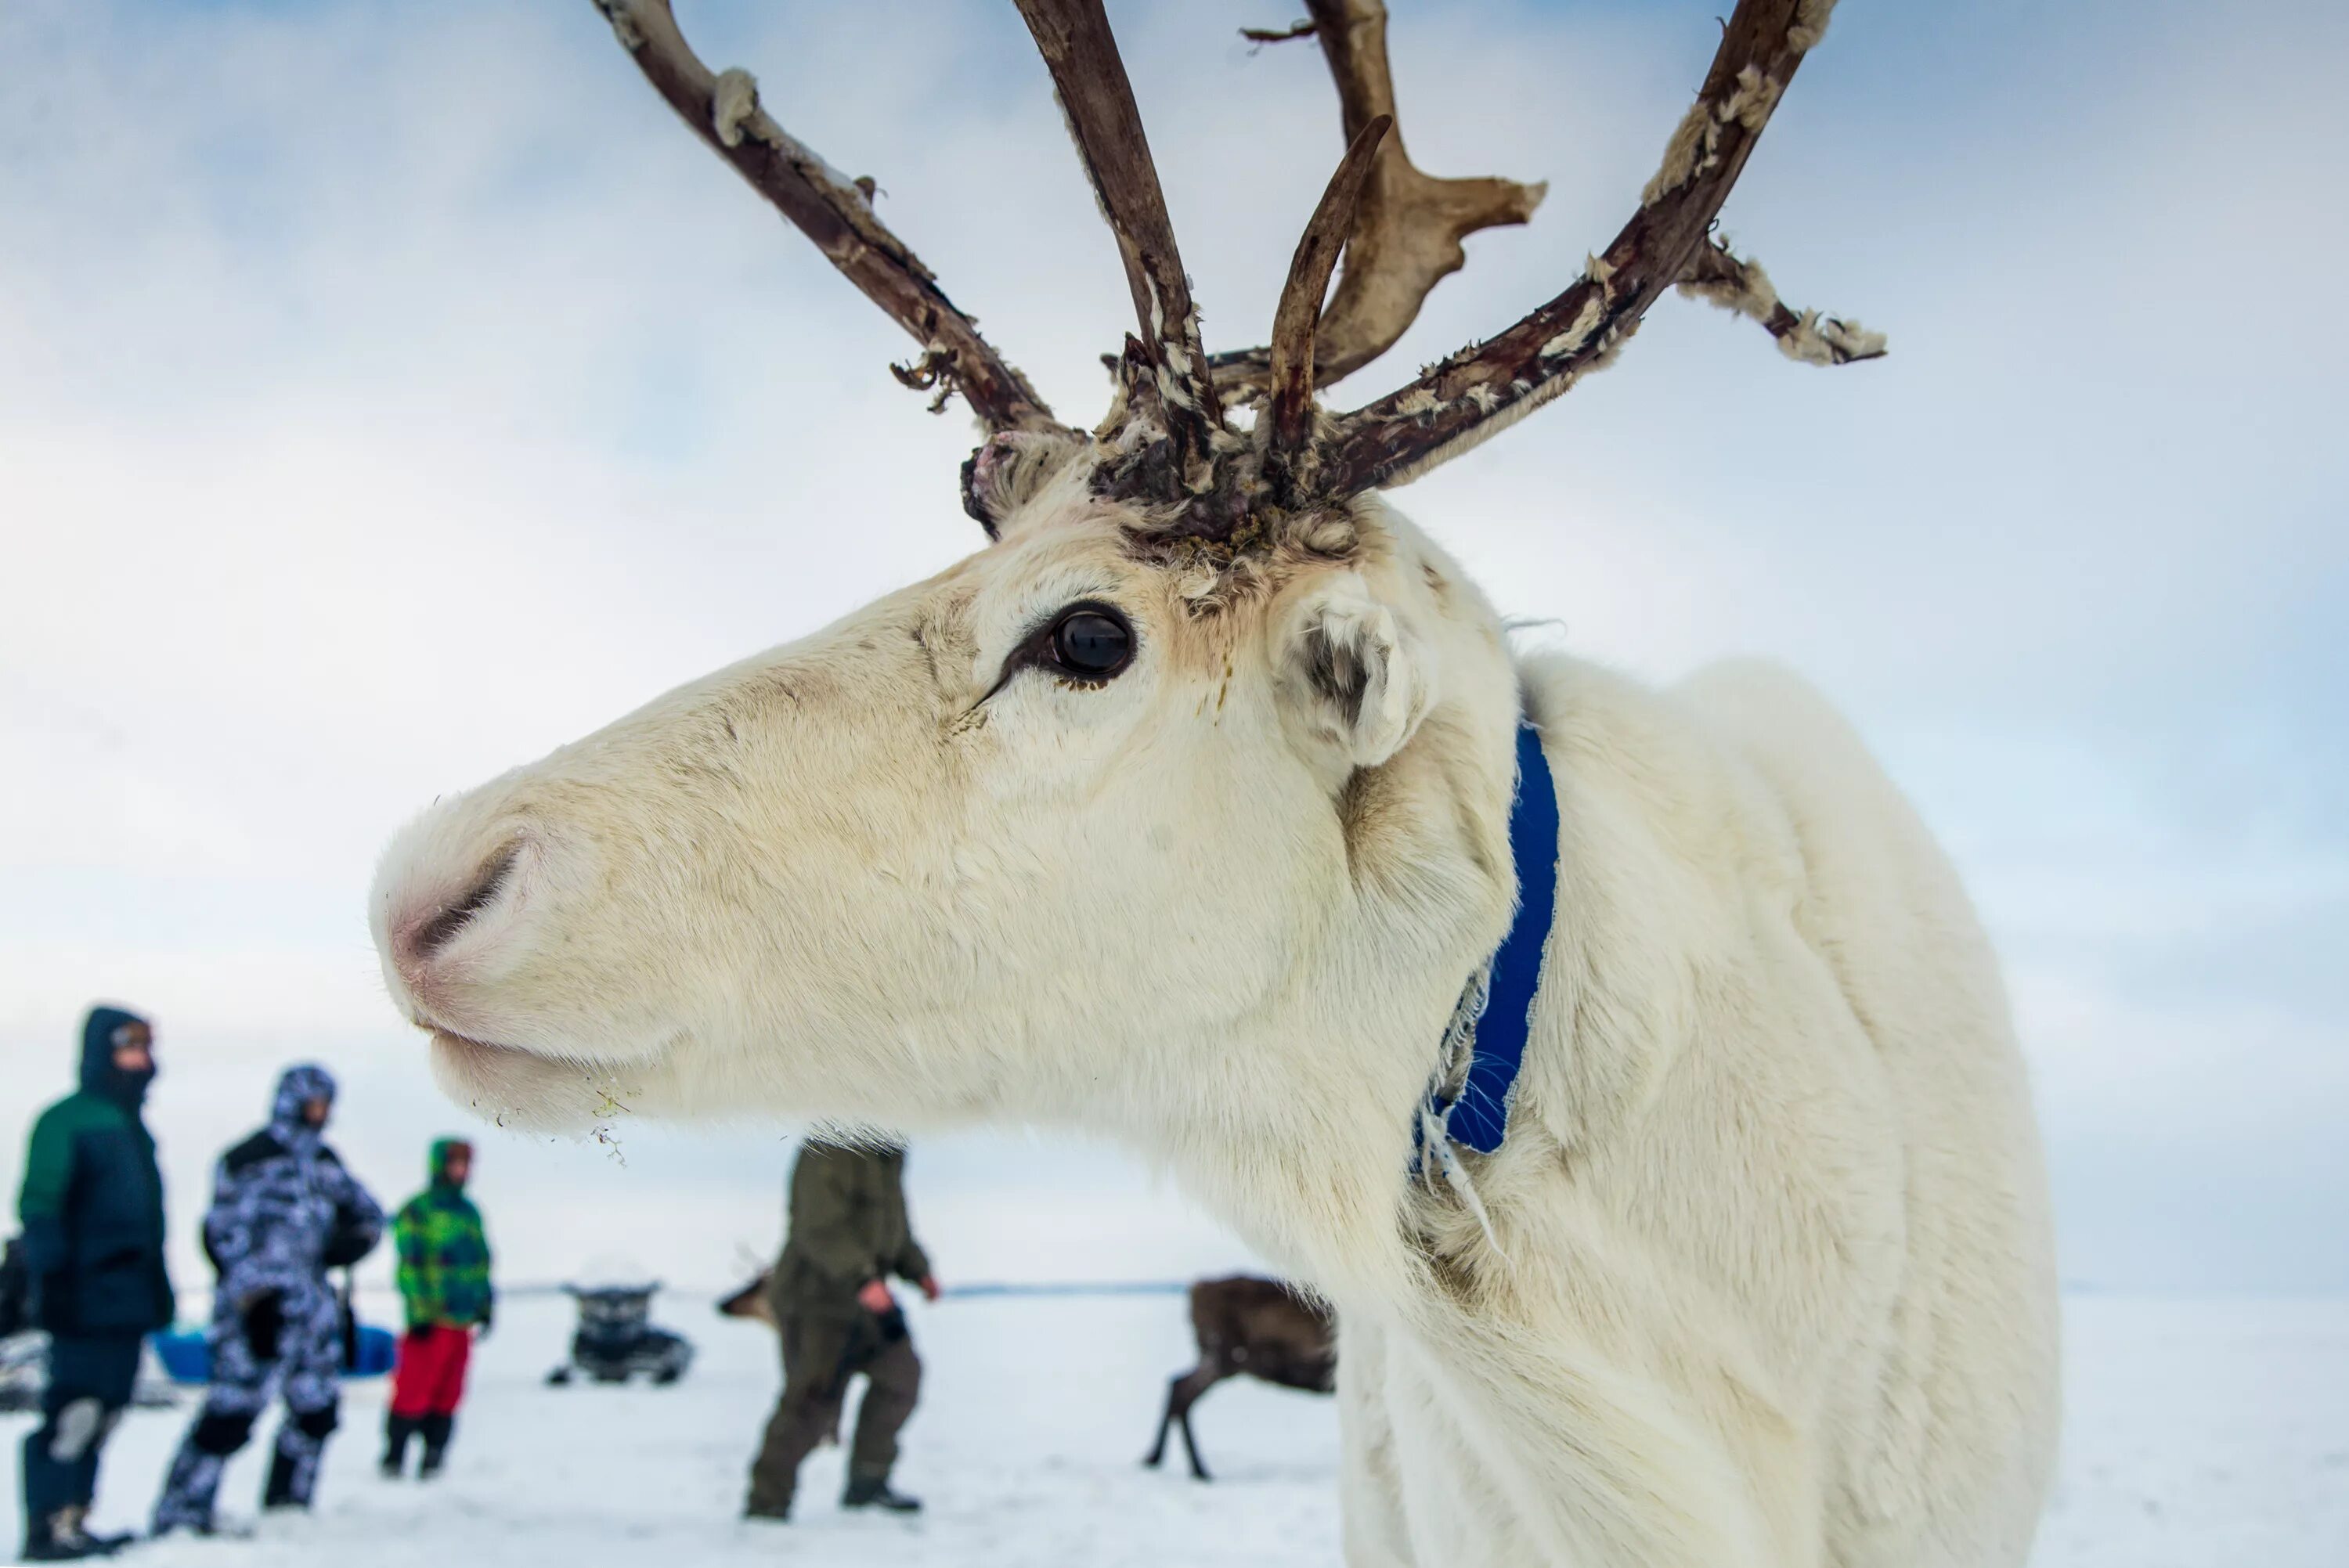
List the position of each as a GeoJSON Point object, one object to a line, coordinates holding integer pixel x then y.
{"type": "Point", "coordinates": [849, 1232]}
{"type": "Point", "coordinates": [444, 1286]}
{"type": "Point", "coordinates": [92, 1207]}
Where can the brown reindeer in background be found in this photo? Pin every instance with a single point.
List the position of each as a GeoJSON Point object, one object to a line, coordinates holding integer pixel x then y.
{"type": "Point", "coordinates": [1249, 1327]}
{"type": "Point", "coordinates": [1244, 1326]}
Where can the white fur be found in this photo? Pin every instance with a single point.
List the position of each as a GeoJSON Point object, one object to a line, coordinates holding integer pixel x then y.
{"type": "Point", "coordinates": [734, 105]}
{"type": "Point", "coordinates": [1768, 1276]}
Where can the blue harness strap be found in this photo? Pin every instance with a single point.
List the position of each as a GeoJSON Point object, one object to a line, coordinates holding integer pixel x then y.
{"type": "Point", "coordinates": [1478, 1117]}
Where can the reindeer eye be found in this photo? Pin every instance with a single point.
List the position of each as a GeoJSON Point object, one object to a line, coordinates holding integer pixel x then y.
{"type": "Point", "coordinates": [1092, 641]}
{"type": "Point", "coordinates": [1087, 644]}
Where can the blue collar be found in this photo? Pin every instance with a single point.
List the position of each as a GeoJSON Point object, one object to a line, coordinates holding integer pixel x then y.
{"type": "Point", "coordinates": [1496, 1022]}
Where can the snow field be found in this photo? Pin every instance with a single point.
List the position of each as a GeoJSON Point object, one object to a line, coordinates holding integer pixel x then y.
{"type": "Point", "coordinates": [2201, 1434]}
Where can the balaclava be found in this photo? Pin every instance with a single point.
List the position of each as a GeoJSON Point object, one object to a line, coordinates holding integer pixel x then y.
{"type": "Point", "coordinates": [100, 1033]}
{"type": "Point", "coordinates": [297, 1087]}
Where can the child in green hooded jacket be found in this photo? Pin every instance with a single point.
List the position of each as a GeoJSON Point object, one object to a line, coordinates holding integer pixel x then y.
{"type": "Point", "coordinates": [444, 1285]}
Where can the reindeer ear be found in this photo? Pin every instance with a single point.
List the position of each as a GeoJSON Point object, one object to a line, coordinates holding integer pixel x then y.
{"type": "Point", "coordinates": [1353, 672]}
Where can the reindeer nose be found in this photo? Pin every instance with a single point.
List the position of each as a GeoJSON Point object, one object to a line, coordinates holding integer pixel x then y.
{"type": "Point", "coordinates": [430, 922]}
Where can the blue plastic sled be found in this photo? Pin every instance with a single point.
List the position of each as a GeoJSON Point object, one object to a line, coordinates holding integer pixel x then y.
{"type": "Point", "coordinates": [186, 1357]}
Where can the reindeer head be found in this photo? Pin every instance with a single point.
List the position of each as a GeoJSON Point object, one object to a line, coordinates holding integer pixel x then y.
{"type": "Point", "coordinates": [1207, 746]}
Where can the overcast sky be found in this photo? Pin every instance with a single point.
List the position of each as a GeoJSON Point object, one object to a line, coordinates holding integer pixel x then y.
{"type": "Point", "coordinates": [389, 393]}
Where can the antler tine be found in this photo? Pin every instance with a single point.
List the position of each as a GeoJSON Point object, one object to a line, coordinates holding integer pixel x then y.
{"type": "Point", "coordinates": [1737, 284]}
{"type": "Point", "coordinates": [834, 211]}
{"type": "Point", "coordinates": [1484, 388]}
{"type": "Point", "coordinates": [1292, 352]}
{"type": "Point", "coordinates": [1080, 51]}
{"type": "Point", "coordinates": [1408, 228]}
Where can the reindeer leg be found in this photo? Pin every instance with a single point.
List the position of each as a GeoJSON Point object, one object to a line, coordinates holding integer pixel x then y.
{"type": "Point", "coordinates": [1158, 1449]}
{"type": "Point", "coordinates": [1180, 1395]}
{"type": "Point", "coordinates": [1191, 1447]}
{"type": "Point", "coordinates": [1185, 1394]}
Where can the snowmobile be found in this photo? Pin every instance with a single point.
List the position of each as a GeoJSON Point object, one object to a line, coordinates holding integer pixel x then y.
{"type": "Point", "coordinates": [616, 1340]}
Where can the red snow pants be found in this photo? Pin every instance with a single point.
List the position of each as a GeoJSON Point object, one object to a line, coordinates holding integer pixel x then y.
{"type": "Point", "coordinates": [429, 1378]}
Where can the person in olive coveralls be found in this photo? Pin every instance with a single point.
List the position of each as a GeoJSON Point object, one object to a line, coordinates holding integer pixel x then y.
{"type": "Point", "coordinates": [832, 1308]}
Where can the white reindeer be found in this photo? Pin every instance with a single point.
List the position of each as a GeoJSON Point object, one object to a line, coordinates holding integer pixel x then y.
{"type": "Point", "coordinates": [1182, 813]}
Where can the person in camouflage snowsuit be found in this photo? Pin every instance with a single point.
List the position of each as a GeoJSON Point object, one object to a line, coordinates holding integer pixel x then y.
{"type": "Point", "coordinates": [92, 1204]}
{"type": "Point", "coordinates": [444, 1285]}
{"type": "Point", "coordinates": [283, 1212]}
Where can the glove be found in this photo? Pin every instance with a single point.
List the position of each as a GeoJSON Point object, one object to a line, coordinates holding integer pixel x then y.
{"type": "Point", "coordinates": [49, 1305]}
{"type": "Point", "coordinates": [481, 1329]}
{"type": "Point", "coordinates": [262, 1315]}
{"type": "Point", "coordinates": [353, 1236]}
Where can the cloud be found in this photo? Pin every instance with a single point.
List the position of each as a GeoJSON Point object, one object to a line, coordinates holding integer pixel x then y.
{"type": "Point", "coordinates": [389, 397]}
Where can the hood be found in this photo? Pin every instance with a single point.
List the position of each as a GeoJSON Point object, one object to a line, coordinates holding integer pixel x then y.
{"type": "Point", "coordinates": [297, 1087]}
{"type": "Point", "coordinates": [98, 1074]}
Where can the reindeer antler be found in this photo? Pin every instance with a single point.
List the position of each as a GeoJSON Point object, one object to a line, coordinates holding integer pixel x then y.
{"type": "Point", "coordinates": [1472, 396]}
{"type": "Point", "coordinates": [1737, 284]}
{"type": "Point", "coordinates": [1167, 443]}
{"type": "Point", "coordinates": [1296, 325]}
{"type": "Point", "coordinates": [836, 212]}
{"type": "Point", "coordinates": [1081, 52]}
{"type": "Point", "coordinates": [1408, 229]}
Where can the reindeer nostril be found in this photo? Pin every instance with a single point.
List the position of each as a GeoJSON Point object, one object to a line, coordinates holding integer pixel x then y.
{"type": "Point", "coordinates": [441, 929]}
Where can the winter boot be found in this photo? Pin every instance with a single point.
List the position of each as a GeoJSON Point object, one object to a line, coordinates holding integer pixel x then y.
{"type": "Point", "coordinates": [280, 1493]}
{"type": "Point", "coordinates": [61, 1539]}
{"type": "Point", "coordinates": [874, 1492]}
{"type": "Point", "coordinates": [397, 1431]}
{"type": "Point", "coordinates": [436, 1430]}
{"type": "Point", "coordinates": [766, 1501]}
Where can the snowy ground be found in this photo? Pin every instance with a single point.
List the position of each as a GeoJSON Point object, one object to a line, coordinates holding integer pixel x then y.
{"type": "Point", "coordinates": [2201, 1434]}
